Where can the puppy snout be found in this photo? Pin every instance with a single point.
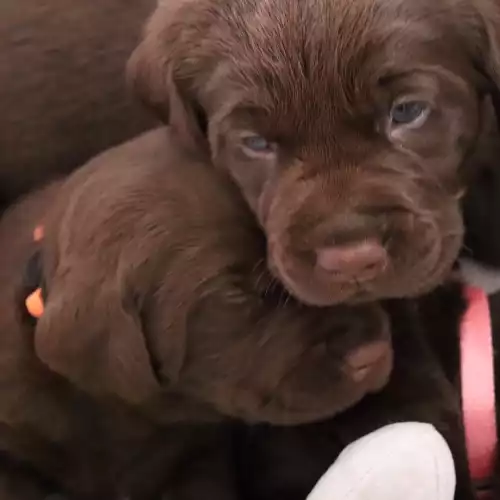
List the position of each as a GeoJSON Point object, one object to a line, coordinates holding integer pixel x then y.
{"type": "Point", "coordinates": [358, 260]}
{"type": "Point", "coordinates": [371, 363]}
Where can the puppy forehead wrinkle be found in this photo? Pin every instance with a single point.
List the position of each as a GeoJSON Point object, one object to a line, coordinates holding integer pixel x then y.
{"type": "Point", "coordinates": [293, 48]}
{"type": "Point", "coordinates": [292, 31]}
{"type": "Point", "coordinates": [289, 30]}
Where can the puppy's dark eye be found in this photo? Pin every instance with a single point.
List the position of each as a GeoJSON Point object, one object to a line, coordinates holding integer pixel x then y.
{"type": "Point", "coordinates": [257, 144]}
{"type": "Point", "coordinates": [412, 113]}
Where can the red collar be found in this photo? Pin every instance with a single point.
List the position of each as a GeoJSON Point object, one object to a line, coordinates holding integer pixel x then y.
{"type": "Point", "coordinates": [478, 387]}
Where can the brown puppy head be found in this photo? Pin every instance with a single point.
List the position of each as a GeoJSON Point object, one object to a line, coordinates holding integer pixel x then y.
{"type": "Point", "coordinates": [145, 304]}
{"type": "Point", "coordinates": [344, 123]}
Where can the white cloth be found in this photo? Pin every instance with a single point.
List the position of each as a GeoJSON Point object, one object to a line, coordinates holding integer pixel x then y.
{"type": "Point", "coordinates": [476, 274]}
{"type": "Point", "coordinates": [405, 461]}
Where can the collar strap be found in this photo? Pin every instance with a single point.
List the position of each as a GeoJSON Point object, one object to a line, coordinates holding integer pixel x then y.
{"type": "Point", "coordinates": [478, 387]}
{"type": "Point", "coordinates": [34, 302]}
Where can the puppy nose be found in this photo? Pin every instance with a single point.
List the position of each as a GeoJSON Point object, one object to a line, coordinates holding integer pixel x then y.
{"type": "Point", "coordinates": [362, 260]}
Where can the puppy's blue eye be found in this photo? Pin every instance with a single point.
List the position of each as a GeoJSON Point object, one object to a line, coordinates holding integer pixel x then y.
{"type": "Point", "coordinates": [409, 112]}
{"type": "Point", "coordinates": [257, 144]}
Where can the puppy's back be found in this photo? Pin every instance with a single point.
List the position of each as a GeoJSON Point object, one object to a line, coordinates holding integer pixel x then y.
{"type": "Point", "coordinates": [62, 86]}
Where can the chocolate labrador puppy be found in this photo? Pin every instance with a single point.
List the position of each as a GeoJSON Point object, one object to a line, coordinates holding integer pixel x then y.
{"type": "Point", "coordinates": [62, 91]}
{"type": "Point", "coordinates": [160, 317]}
{"type": "Point", "coordinates": [346, 126]}
{"type": "Point", "coordinates": [349, 128]}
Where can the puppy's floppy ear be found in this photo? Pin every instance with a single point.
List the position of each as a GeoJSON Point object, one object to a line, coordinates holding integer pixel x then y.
{"type": "Point", "coordinates": [162, 68]}
{"type": "Point", "coordinates": [90, 332]}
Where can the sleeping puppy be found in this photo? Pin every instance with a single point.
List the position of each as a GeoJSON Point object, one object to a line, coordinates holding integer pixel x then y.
{"type": "Point", "coordinates": [277, 462]}
{"type": "Point", "coordinates": [267, 462]}
{"type": "Point", "coordinates": [346, 125]}
{"type": "Point", "coordinates": [62, 91]}
{"type": "Point", "coordinates": [160, 318]}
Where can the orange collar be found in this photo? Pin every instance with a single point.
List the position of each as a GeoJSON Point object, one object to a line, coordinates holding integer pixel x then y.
{"type": "Point", "coordinates": [34, 302]}
{"type": "Point", "coordinates": [478, 388]}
